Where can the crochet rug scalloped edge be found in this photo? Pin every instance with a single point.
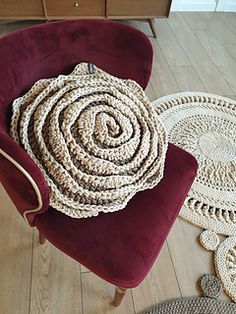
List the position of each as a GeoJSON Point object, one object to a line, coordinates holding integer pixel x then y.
{"type": "Point", "coordinates": [170, 96]}
{"type": "Point", "coordinates": [205, 222]}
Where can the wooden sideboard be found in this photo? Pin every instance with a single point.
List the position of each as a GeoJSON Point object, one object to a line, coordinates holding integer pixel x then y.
{"type": "Point", "coordinates": [145, 10]}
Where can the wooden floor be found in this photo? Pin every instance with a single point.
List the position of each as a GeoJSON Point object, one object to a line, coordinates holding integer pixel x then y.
{"type": "Point", "coordinates": [193, 52]}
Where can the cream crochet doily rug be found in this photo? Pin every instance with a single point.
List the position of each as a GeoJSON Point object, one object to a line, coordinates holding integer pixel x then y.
{"type": "Point", "coordinates": [96, 139]}
{"type": "Point", "coordinates": [205, 125]}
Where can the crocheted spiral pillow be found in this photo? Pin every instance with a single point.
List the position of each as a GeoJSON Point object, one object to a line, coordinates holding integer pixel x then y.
{"type": "Point", "coordinates": [96, 139]}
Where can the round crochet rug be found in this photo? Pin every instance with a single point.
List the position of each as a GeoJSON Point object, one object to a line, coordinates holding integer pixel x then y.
{"type": "Point", "coordinates": [95, 137]}
{"type": "Point", "coordinates": [205, 126]}
{"type": "Point", "coordinates": [208, 304]}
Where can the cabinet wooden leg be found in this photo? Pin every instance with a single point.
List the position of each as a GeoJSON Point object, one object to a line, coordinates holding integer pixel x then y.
{"type": "Point", "coordinates": [153, 27]}
{"type": "Point", "coordinates": [42, 238]}
{"type": "Point", "coordinates": [119, 295]}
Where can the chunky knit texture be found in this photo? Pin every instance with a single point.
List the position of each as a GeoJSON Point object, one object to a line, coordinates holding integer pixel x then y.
{"type": "Point", "coordinates": [205, 125]}
{"type": "Point", "coordinates": [95, 137]}
{"type": "Point", "coordinates": [225, 263]}
{"type": "Point", "coordinates": [209, 240]}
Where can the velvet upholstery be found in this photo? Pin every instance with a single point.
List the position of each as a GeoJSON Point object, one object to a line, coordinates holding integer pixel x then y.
{"type": "Point", "coordinates": [122, 246]}
{"type": "Point", "coordinates": [16, 184]}
{"type": "Point", "coordinates": [55, 48]}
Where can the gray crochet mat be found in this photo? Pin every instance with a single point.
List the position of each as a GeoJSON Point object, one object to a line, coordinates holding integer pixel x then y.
{"type": "Point", "coordinates": [208, 304]}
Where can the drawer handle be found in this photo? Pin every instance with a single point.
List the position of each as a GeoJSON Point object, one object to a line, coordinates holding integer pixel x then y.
{"type": "Point", "coordinates": [76, 4]}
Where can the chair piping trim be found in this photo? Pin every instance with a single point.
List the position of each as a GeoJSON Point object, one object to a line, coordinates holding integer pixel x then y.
{"type": "Point", "coordinates": [31, 180]}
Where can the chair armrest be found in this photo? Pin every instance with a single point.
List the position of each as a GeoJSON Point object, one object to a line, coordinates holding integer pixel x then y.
{"type": "Point", "coordinates": [22, 179]}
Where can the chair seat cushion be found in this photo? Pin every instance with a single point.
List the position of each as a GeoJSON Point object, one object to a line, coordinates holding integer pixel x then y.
{"type": "Point", "coordinates": [122, 246]}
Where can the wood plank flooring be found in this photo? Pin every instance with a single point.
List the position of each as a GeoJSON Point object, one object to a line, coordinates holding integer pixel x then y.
{"type": "Point", "coordinates": [193, 52]}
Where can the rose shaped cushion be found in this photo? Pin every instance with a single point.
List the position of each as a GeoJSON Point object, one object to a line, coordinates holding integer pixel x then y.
{"type": "Point", "coordinates": [96, 139]}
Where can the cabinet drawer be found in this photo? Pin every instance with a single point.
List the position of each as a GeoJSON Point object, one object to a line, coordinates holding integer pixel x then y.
{"type": "Point", "coordinates": [75, 8]}
{"type": "Point", "coordinates": [136, 8]}
{"type": "Point", "coordinates": [21, 8]}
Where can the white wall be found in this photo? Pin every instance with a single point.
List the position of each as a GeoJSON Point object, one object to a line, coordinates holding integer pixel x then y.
{"type": "Point", "coordinates": [204, 5]}
{"type": "Point", "coordinates": [226, 5]}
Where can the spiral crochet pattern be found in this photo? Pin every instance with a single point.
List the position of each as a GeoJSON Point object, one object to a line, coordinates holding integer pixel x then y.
{"type": "Point", "coordinates": [95, 137]}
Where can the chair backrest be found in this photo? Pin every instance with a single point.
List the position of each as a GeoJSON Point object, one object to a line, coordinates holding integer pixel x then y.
{"type": "Point", "coordinates": [50, 49]}
{"type": "Point", "coordinates": [55, 48]}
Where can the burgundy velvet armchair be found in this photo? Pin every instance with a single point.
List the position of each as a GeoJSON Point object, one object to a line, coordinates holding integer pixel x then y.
{"type": "Point", "coordinates": [119, 247]}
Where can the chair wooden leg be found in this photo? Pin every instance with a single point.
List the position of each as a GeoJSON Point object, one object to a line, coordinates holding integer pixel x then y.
{"type": "Point", "coordinates": [119, 295]}
{"type": "Point", "coordinates": [42, 238]}
{"type": "Point", "coordinates": [153, 27]}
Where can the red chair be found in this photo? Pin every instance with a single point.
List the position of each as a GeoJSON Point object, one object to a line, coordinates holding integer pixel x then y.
{"type": "Point", "coordinates": [119, 247]}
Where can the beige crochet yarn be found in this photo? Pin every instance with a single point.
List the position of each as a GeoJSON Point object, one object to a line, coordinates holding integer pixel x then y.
{"type": "Point", "coordinates": [225, 263]}
{"type": "Point", "coordinates": [224, 258]}
{"type": "Point", "coordinates": [209, 240]}
{"type": "Point", "coordinates": [95, 137]}
{"type": "Point", "coordinates": [205, 126]}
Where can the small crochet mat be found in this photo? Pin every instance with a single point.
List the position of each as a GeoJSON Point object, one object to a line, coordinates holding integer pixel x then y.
{"type": "Point", "coordinates": [96, 138]}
